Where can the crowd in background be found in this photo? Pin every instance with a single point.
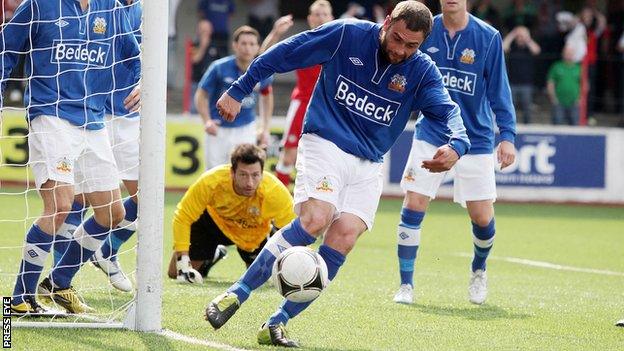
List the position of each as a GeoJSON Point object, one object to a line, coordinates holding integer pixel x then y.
{"type": "Point", "coordinates": [562, 60]}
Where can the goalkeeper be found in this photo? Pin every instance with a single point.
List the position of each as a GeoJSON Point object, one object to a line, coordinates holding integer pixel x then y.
{"type": "Point", "coordinates": [234, 204]}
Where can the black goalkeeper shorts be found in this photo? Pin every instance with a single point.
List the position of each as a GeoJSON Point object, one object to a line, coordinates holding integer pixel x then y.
{"type": "Point", "coordinates": [206, 235]}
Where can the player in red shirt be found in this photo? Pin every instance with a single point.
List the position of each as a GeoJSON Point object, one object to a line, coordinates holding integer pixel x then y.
{"type": "Point", "coordinates": [320, 12]}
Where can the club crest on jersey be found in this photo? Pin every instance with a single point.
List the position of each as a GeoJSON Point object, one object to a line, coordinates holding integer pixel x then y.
{"type": "Point", "coordinates": [409, 175]}
{"type": "Point", "coordinates": [99, 25]}
{"type": "Point", "coordinates": [63, 166]}
{"type": "Point", "coordinates": [397, 83]}
{"type": "Point", "coordinates": [324, 185]}
{"type": "Point", "coordinates": [467, 57]}
{"type": "Point", "coordinates": [254, 211]}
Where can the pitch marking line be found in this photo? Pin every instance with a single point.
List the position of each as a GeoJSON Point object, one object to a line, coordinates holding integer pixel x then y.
{"type": "Point", "coordinates": [549, 265]}
{"type": "Point", "coordinates": [195, 341]}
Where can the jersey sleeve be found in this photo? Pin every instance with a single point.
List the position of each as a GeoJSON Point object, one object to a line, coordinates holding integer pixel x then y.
{"type": "Point", "coordinates": [210, 79]}
{"type": "Point", "coordinates": [498, 91]}
{"type": "Point", "coordinates": [433, 101]}
{"type": "Point", "coordinates": [128, 44]}
{"type": "Point", "coordinates": [281, 205]}
{"type": "Point", "coordinates": [14, 36]}
{"type": "Point", "coordinates": [302, 50]}
{"type": "Point", "coordinates": [188, 211]}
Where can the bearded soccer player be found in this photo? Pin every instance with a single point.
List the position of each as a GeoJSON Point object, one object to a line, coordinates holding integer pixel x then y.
{"type": "Point", "coordinates": [469, 54]}
{"type": "Point", "coordinates": [70, 46]}
{"type": "Point", "coordinates": [320, 12]}
{"type": "Point", "coordinates": [234, 204]}
{"type": "Point", "coordinates": [372, 78]}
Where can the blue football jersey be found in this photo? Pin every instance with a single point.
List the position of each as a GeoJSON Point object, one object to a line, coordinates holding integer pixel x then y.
{"type": "Point", "coordinates": [472, 64]}
{"type": "Point", "coordinates": [70, 56]}
{"type": "Point", "coordinates": [125, 80]}
{"type": "Point", "coordinates": [217, 78]}
{"type": "Point", "coordinates": [360, 103]}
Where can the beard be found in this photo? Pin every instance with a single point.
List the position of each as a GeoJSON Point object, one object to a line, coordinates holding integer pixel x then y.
{"type": "Point", "coordinates": [385, 53]}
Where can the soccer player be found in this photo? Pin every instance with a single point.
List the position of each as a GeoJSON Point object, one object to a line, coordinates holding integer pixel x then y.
{"type": "Point", "coordinates": [223, 135]}
{"type": "Point", "coordinates": [372, 78]}
{"type": "Point", "coordinates": [233, 204]}
{"type": "Point", "coordinates": [123, 132]}
{"type": "Point", "coordinates": [469, 54]}
{"type": "Point", "coordinates": [70, 47]}
{"type": "Point", "coordinates": [320, 12]}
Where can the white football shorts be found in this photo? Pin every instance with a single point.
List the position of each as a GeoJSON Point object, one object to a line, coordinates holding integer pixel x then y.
{"type": "Point", "coordinates": [123, 134]}
{"type": "Point", "coordinates": [71, 154]}
{"type": "Point", "coordinates": [325, 172]}
{"type": "Point", "coordinates": [474, 178]}
{"type": "Point", "coordinates": [217, 148]}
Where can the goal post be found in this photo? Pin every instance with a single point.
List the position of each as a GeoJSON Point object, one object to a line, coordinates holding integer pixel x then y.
{"type": "Point", "coordinates": [148, 305]}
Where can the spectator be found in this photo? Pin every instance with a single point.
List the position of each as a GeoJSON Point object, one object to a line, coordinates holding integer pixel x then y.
{"type": "Point", "coordinates": [521, 51]}
{"type": "Point", "coordinates": [202, 55]}
{"type": "Point", "coordinates": [595, 24]}
{"type": "Point", "coordinates": [485, 11]}
{"type": "Point", "coordinates": [262, 14]}
{"type": "Point", "coordinates": [573, 34]}
{"type": "Point", "coordinates": [214, 16]}
{"type": "Point", "coordinates": [564, 86]}
{"type": "Point", "coordinates": [620, 48]}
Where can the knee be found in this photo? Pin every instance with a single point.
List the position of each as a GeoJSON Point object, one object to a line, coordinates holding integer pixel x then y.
{"type": "Point", "coordinates": [110, 216]}
{"type": "Point", "coordinates": [416, 202]}
{"type": "Point", "coordinates": [482, 220]}
{"type": "Point", "coordinates": [117, 214]}
{"type": "Point", "coordinates": [315, 222]}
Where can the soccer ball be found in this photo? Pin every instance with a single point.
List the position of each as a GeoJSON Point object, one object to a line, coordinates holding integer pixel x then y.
{"type": "Point", "coordinates": [300, 274]}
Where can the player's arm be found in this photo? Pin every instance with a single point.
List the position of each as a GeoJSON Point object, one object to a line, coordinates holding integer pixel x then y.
{"type": "Point", "coordinates": [434, 101]}
{"type": "Point", "coordinates": [266, 112]}
{"type": "Point", "coordinates": [207, 85]}
{"type": "Point", "coordinates": [188, 211]}
{"type": "Point", "coordinates": [128, 46]}
{"type": "Point", "coordinates": [281, 26]}
{"type": "Point", "coordinates": [14, 37]}
{"type": "Point", "coordinates": [305, 49]}
{"type": "Point", "coordinates": [499, 95]}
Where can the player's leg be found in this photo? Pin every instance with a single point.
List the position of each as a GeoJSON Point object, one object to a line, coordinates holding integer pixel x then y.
{"type": "Point", "coordinates": [249, 257]}
{"type": "Point", "coordinates": [290, 140]}
{"type": "Point", "coordinates": [208, 244]}
{"type": "Point", "coordinates": [124, 140]}
{"type": "Point", "coordinates": [475, 188]}
{"type": "Point", "coordinates": [420, 187]}
{"type": "Point", "coordinates": [65, 233]}
{"type": "Point", "coordinates": [286, 164]}
{"type": "Point", "coordinates": [53, 148]}
{"type": "Point", "coordinates": [317, 188]}
{"type": "Point", "coordinates": [358, 205]}
{"type": "Point", "coordinates": [97, 174]}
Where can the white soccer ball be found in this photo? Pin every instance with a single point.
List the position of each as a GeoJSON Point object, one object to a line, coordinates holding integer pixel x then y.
{"type": "Point", "coordinates": [300, 274]}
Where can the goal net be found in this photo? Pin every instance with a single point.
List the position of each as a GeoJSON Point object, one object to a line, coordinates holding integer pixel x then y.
{"type": "Point", "coordinates": [76, 78]}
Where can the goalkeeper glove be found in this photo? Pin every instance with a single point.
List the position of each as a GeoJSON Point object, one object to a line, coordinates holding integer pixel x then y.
{"type": "Point", "coordinates": [186, 273]}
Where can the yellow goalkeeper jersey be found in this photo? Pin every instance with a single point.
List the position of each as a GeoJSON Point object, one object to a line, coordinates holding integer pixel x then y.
{"type": "Point", "coordinates": [244, 220]}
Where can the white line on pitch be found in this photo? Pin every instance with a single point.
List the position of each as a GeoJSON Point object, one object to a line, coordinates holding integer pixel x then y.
{"type": "Point", "coordinates": [549, 265]}
{"type": "Point", "coordinates": [192, 340]}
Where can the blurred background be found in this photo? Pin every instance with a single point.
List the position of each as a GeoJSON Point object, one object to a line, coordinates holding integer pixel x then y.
{"type": "Point", "coordinates": [199, 33]}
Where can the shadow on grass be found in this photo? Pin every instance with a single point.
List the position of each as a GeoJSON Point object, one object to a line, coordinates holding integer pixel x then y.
{"type": "Point", "coordinates": [485, 312]}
